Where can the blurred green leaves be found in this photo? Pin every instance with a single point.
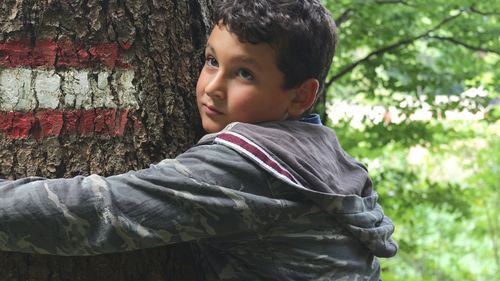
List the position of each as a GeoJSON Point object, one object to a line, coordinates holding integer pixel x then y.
{"type": "Point", "coordinates": [437, 175]}
{"type": "Point", "coordinates": [420, 47]}
{"type": "Point", "coordinates": [438, 181]}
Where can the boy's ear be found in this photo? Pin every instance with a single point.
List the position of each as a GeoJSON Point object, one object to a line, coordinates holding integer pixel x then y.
{"type": "Point", "coordinates": [304, 98]}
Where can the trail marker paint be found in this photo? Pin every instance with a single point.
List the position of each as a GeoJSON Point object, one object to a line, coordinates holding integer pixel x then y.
{"type": "Point", "coordinates": [92, 91]}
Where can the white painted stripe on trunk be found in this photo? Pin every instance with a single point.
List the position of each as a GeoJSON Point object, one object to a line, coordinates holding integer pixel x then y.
{"type": "Point", "coordinates": [24, 89]}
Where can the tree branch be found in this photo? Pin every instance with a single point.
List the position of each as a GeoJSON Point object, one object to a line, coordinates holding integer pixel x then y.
{"type": "Point", "coordinates": [348, 12]}
{"type": "Point", "coordinates": [476, 11]}
{"type": "Point", "coordinates": [343, 17]}
{"type": "Point", "coordinates": [380, 51]}
{"type": "Point", "coordinates": [389, 48]}
{"type": "Point", "coordinates": [463, 44]}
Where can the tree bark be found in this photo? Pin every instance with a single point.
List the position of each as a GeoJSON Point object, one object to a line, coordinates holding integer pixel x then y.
{"type": "Point", "coordinates": [90, 86]}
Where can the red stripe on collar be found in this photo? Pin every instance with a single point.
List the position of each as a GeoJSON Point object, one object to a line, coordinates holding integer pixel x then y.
{"type": "Point", "coordinates": [256, 153]}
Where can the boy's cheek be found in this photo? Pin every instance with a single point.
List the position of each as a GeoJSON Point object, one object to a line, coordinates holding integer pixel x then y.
{"type": "Point", "coordinates": [200, 84]}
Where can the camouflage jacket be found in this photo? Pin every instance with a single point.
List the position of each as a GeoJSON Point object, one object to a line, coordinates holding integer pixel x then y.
{"type": "Point", "coordinates": [276, 201]}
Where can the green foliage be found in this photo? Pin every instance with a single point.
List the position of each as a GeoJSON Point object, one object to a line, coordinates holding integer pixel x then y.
{"type": "Point", "coordinates": [374, 138]}
{"type": "Point", "coordinates": [441, 190]}
{"type": "Point", "coordinates": [437, 177]}
{"type": "Point", "coordinates": [390, 48]}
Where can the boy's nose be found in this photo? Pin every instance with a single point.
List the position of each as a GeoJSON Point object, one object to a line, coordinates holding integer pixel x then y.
{"type": "Point", "coordinates": [215, 87]}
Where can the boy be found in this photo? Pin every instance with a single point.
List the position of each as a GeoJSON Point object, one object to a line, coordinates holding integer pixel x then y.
{"type": "Point", "coordinates": [263, 197]}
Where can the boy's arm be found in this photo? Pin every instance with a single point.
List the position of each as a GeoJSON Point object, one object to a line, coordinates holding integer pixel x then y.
{"type": "Point", "coordinates": [157, 206]}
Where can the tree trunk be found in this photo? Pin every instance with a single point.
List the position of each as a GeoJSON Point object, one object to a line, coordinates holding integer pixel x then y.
{"type": "Point", "coordinates": [90, 86]}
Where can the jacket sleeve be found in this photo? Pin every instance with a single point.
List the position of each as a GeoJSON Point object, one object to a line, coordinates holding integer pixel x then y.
{"type": "Point", "coordinates": [199, 195]}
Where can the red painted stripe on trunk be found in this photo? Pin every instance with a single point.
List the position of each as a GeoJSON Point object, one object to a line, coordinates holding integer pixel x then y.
{"type": "Point", "coordinates": [50, 54]}
{"type": "Point", "coordinates": [52, 123]}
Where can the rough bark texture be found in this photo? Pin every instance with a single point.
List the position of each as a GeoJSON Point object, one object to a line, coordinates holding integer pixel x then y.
{"type": "Point", "coordinates": [161, 43]}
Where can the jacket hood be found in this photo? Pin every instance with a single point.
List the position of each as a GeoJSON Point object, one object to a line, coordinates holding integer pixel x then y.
{"type": "Point", "coordinates": [310, 157]}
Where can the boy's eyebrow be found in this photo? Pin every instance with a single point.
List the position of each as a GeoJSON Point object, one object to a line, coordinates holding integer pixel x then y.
{"type": "Point", "coordinates": [209, 48]}
{"type": "Point", "coordinates": [242, 59]}
{"type": "Point", "coordinates": [248, 60]}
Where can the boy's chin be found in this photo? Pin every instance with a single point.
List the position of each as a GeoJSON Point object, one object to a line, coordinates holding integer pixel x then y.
{"type": "Point", "coordinates": [212, 128]}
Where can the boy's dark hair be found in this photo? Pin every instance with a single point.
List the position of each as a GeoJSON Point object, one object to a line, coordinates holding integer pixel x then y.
{"type": "Point", "coordinates": [302, 32]}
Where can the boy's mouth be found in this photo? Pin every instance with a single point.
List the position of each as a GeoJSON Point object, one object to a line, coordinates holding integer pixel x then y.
{"type": "Point", "coordinates": [211, 110]}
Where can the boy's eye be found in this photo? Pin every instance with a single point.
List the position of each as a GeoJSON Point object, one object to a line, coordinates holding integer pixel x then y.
{"type": "Point", "coordinates": [245, 74]}
{"type": "Point", "coordinates": [211, 61]}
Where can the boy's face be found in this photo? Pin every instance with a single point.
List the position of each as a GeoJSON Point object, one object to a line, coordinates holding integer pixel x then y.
{"type": "Point", "coordinates": [239, 82]}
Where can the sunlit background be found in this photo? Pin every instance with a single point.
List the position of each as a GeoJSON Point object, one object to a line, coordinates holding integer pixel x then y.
{"type": "Point", "coordinates": [414, 93]}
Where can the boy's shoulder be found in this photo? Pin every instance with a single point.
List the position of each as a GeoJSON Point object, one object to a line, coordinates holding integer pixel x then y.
{"type": "Point", "coordinates": [300, 153]}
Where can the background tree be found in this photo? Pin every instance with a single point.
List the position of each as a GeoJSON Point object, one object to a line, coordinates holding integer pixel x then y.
{"type": "Point", "coordinates": [89, 86]}
{"type": "Point", "coordinates": [412, 93]}
{"type": "Point", "coordinates": [391, 49]}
